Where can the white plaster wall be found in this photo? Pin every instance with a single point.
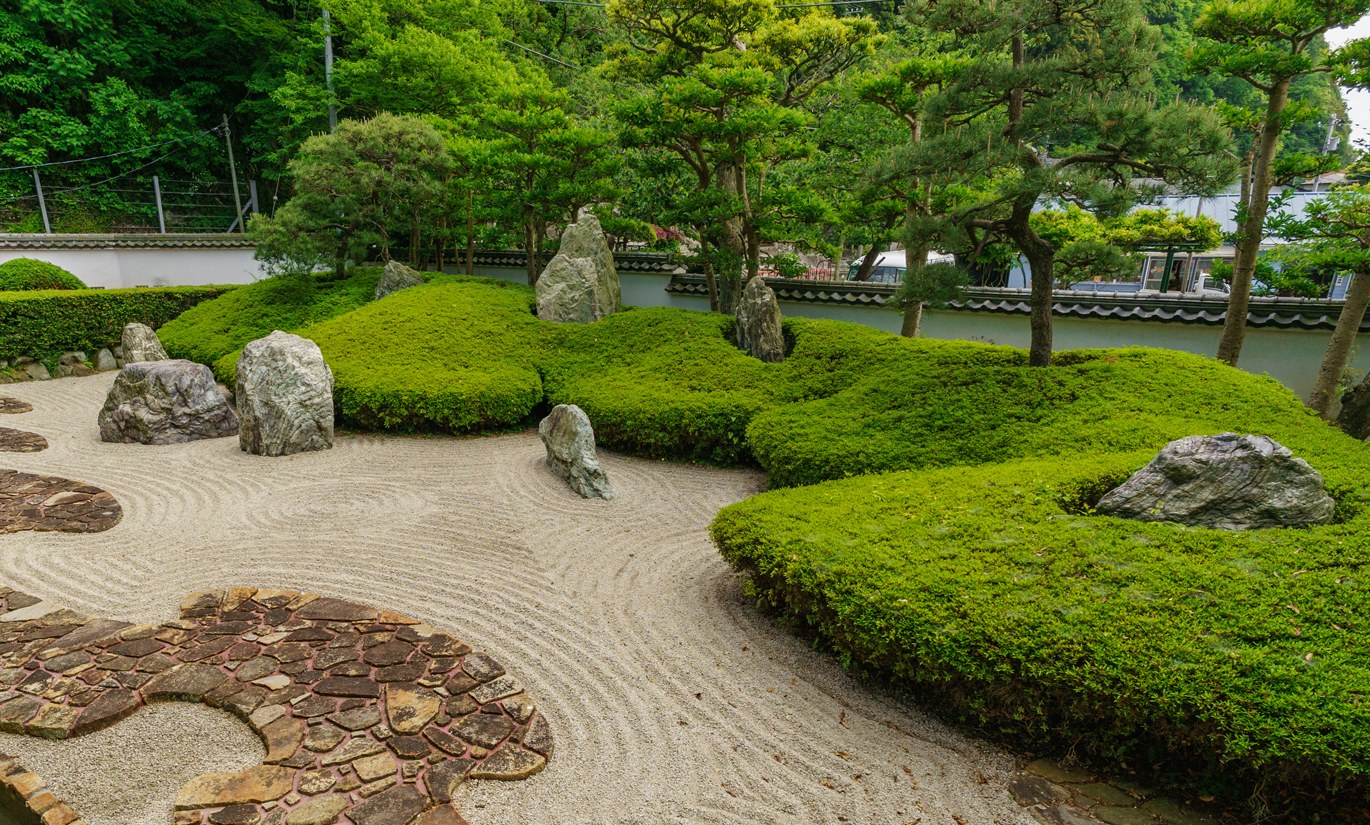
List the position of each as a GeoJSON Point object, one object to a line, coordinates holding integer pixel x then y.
{"type": "Point", "coordinates": [119, 268]}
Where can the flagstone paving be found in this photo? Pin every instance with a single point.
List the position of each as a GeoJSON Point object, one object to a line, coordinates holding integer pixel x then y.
{"type": "Point", "coordinates": [364, 712]}
{"type": "Point", "coordinates": [10, 405]}
{"type": "Point", "coordinates": [48, 503]}
{"type": "Point", "coordinates": [18, 441]}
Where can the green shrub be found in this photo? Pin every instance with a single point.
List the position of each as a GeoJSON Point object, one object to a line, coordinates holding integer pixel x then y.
{"type": "Point", "coordinates": [47, 323]}
{"type": "Point", "coordinates": [212, 330]}
{"type": "Point", "coordinates": [31, 273]}
{"type": "Point", "coordinates": [961, 557]}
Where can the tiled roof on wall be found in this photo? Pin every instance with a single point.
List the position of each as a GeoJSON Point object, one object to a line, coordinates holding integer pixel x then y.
{"type": "Point", "coordinates": [186, 240]}
{"type": "Point", "coordinates": [1279, 313]}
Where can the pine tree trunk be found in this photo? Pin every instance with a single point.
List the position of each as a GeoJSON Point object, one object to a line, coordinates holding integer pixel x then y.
{"type": "Point", "coordinates": [1043, 261]}
{"type": "Point", "coordinates": [913, 320]}
{"type": "Point", "coordinates": [710, 280]}
{"type": "Point", "coordinates": [863, 273]}
{"type": "Point", "coordinates": [1339, 347]}
{"type": "Point", "coordinates": [1251, 230]}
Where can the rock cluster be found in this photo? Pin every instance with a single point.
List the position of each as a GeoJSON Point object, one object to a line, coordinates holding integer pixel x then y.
{"type": "Point", "coordinates": [394, 277]}
{"type": "Point", "coordinates": [570, 443]}
{"type": "Point", "coordinates": [580, 284]}
{"type": "Point", "coordinates": [50, 504]}
{"type": "Point", "coordinates": [73, 362]}
{"type": "Point", "coordinates": [365, 713]}
{"type": "Point", "coordinates": [1225, 482]}
{"type": "Point", "coordinates": [284, 395]}
{"type": "Point", "coordinates": [140, 344]}
{"type": "Point", "coordinates": [757, 331]}
{"type": "Point", "coordinates": [165, 402]}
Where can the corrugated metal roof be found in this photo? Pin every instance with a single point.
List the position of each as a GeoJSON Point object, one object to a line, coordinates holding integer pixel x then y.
{"type": "Point", "coordinates": [1279, 313]}
{"type": "Point", "coordinates": [186, 240]}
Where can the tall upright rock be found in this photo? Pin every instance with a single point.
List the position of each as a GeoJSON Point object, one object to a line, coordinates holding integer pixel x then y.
{"type": "Point", "coordinates": [1225, 482]}
{"type": "Point", "coordinates": [570, 443]}
{"type": "Point", "coordinates": [758, 331]}
{"type": "Point", "coordinates": [580, 284]}
{"type": "Point", "coordinates": [140, 343]}
{"type": "Point", "coordinates": [165, 402]}
{"type": "Point", "coordinates": [285, 396]}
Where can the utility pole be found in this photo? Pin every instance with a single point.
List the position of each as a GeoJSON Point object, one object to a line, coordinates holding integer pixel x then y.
{"type": "Point", "coordinates": [328, 72]}
{"type": "Point", "coordinates": [233, 172]}
{"type": "Point", "coordinates": [42, 204]}
{"type": "Point", "coordinates": [1326, 146]}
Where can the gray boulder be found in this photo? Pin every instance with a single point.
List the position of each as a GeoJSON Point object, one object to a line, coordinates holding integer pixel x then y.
{"type": "Point", "coordinates": [580, 284]}
{"type": "Point", "coordinates": [757, 331]}
{"type": "Point", "coordinates": [104, 361]}
{"type": "Point", "coordinates": [1354, 416]}
{"type": "Point", "coordinates": [1226, 482]}
{"type": "Point", "coordinates": [165, 402]}
{"type": "Point", "coordinates": [36, 371]}
{"type": "Point", "coordinates": [570, 443]}
{"type": "Point", "coordinates": [284, 395]}
{"type": "Point", "coordinates": [395, 277]}
{"type": "Point", "coordinates": [140, 343]}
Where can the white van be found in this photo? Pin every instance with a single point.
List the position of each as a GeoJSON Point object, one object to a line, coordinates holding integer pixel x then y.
{"type": "Point", "coordinates": [890, 267]}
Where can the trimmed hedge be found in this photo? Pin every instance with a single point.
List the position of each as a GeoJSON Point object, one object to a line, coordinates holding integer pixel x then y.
{"type": "Point", "coordinates": [31, 273]}
{"type": "Point", "coordinates": [46, 323]}
{"type": "Point", "coordinates": [961, 558]}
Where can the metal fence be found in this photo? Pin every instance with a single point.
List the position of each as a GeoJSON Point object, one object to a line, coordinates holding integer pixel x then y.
{"type": "Point", "coordinates": [129, 203]}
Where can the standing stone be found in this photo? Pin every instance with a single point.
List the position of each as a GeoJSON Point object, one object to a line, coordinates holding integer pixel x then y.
{"type": "Point", "coordinates": [580, 284]}
{"type": "Point", "coordinates": [757, 331]}
{"type": "Point", "coordinates": [284, 395]}
{"type": "Point", "coordinates": [570, 443]}
{"type": "Point", "coordinates": [140, 343]}
{"type": "Point", "coordinates": [104, 361]}
{"type": "Point", "coordinates": [396, 276]}
{"type": "Point", "coordinates": [1354, 417]}
{"type": "Point", "coordinates": [165, 402]}
{"type": "Point", "coordinates": [1226, 482]}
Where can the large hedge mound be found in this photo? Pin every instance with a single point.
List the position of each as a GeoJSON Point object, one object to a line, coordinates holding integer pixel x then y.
{"type": "Point", "coordinates": [31, 273]}
{"type": "Point", "coordinates": [944, 534]}
{"type": "Point", "coordinates": [210, 331]}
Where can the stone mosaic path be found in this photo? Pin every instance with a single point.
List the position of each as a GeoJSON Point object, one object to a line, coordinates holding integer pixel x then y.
{"type": "Point", "coordinates": [18, 441]}
{"type": "Point", "coordinates": [364, 713]}
{"type": "Point", "coordinates": [48, 503]}
{"type": "Point", "coordinates": [10, 405]}
{"type": "Point", "coordinates": [1058, 795]}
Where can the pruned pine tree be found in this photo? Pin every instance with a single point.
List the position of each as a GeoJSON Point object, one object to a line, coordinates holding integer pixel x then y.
{"type": "Point", "coordinates": [1270, 44]}
{"type": "Point", "coordinates": [1056, 107]}
{"type": "Point", "coordinates": [721, 85]}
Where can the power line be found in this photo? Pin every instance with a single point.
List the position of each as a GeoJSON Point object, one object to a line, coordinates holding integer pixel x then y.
{"type": "Point", "coordinates": [544, 56]}
{"type": "Point", "coordinates": [112, 155]}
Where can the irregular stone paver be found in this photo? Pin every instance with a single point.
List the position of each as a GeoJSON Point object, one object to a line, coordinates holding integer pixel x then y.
{"type": "Point", "coordinates": [377, 753]}
{"type": "Point", "coordinates": [11, 406]}
{"type": "Point", "coordinates": [1057, 795]}
{"type": "Point", "coordinates": [18, 441]}
{"type": "Point", "coordinates": [48, 504]}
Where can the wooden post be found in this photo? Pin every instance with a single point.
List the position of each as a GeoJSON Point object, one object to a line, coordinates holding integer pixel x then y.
{"type": "Point", "coordinates": [233, 172]}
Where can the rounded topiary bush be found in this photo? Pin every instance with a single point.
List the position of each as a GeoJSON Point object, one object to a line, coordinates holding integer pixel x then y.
{"type": "Point", "coordinates": [31, 273]}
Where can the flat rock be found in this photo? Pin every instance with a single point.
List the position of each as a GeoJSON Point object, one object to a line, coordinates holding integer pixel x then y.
{"type": "Point", "coordinates": [263, 783]}
{"type": "Point", "coordinates": [570, 442]}
{"type": "Point", "coordinates": [394, 277]}
{"type": "Point", "coordinates": [285, 396]}
{"type": "Point", "coordinates": [1224, 482]}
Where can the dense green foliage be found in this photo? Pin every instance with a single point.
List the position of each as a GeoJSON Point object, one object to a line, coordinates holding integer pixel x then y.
{"type": "Point", "coordinates": [210, 330]}
{"type": "Point", "coordinates": [31, 273]}
{"type": "Point", "coordinates": [47, 323]}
